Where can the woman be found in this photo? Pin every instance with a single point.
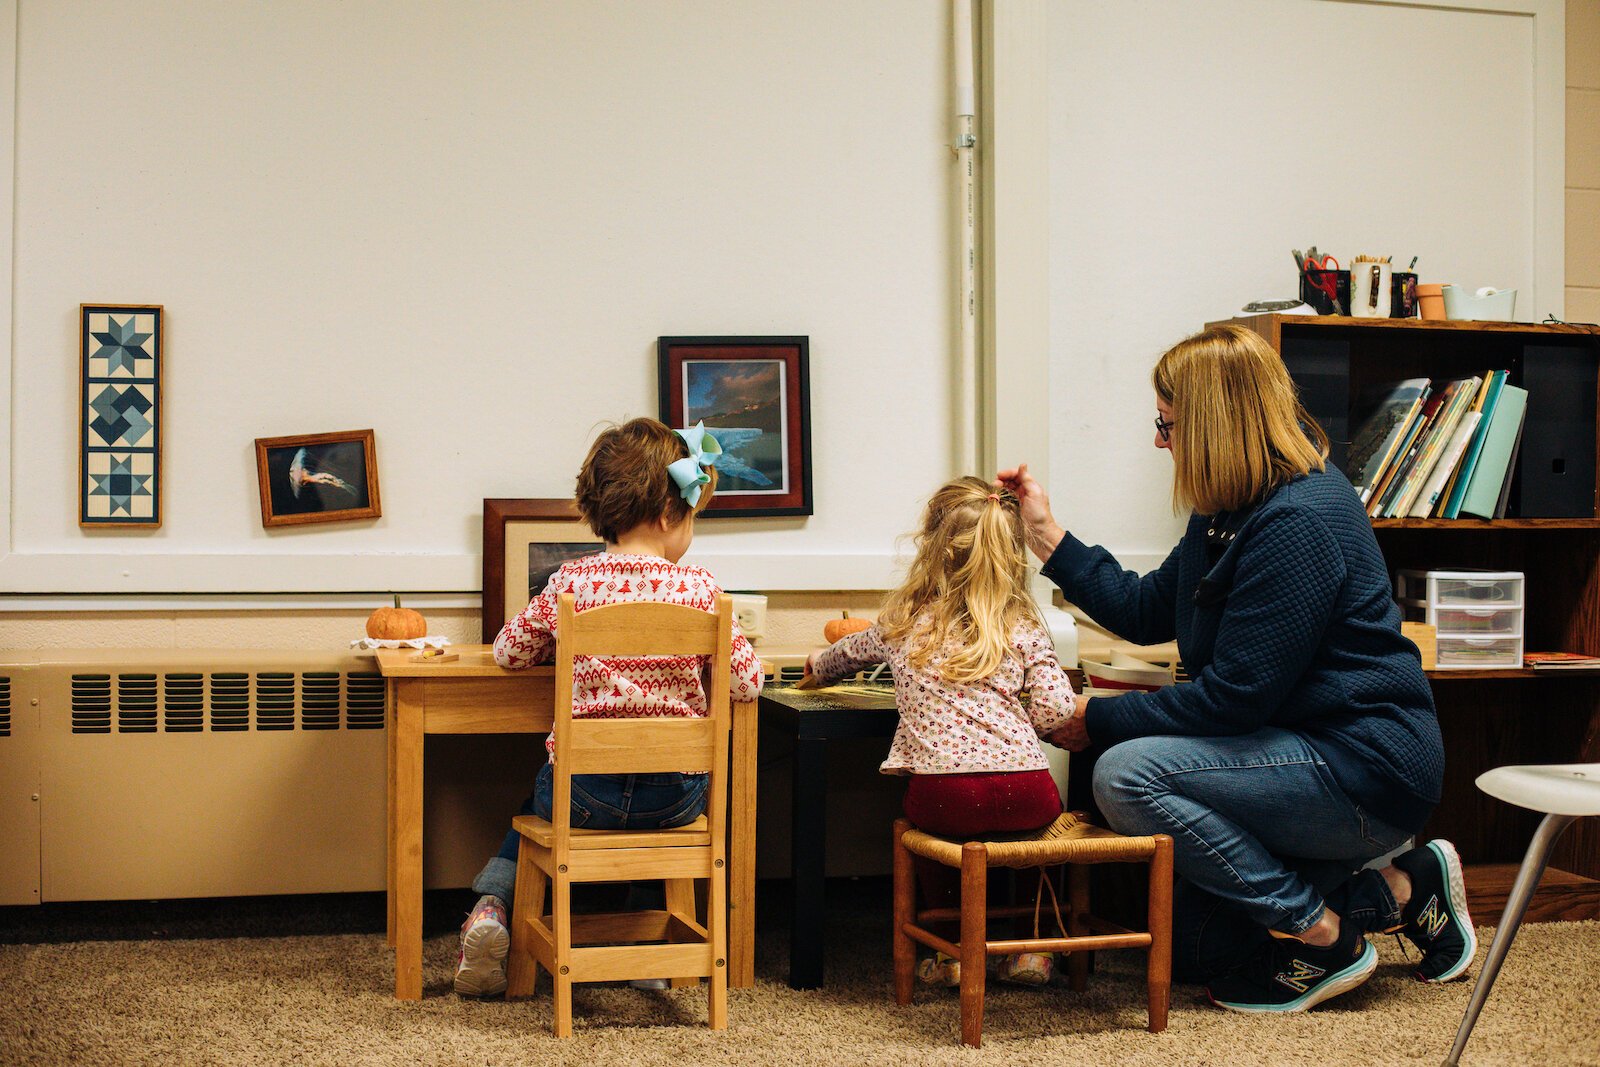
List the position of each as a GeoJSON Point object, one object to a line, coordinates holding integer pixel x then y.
{"type": "Point", "coordinates": [1306, 743]}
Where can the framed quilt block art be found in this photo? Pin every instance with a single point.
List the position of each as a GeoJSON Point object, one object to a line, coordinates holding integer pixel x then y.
{"type": "Point", "coordinates": [119, 457]}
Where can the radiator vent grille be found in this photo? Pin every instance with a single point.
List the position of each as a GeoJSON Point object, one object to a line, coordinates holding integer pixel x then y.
{"type": "Point", "coordinates": [219, 701]}
{"type": "Point", "coordinates": [5, 706]}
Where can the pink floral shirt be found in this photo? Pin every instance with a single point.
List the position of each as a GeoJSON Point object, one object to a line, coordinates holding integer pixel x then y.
{"type": "Point", "coordinates": [626, 688]}
{"type": "Point", "coordinates": [964, 727]}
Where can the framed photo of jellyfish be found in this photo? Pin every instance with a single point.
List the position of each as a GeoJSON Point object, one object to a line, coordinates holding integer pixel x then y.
{"type": "Point", "coordinates": [122, 349]}
{"type": "Point", "coordinates": [753, 394]}
{"type": "Point", "coordinates": [318, 477]}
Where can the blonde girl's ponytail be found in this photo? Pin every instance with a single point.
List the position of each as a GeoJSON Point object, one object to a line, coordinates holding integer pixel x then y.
{"type": "Point", "coordinates": [967, 587]}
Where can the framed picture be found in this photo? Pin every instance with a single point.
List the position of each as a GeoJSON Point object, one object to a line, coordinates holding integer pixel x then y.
{"type": "Point", "coordinates": [524, 541]}
{"type": "Point", "coordinates": [752, 394]}
{"type": "Point", "coordinates": [122, 355]}
{"type": "Point", "coordinates": [318, 477]}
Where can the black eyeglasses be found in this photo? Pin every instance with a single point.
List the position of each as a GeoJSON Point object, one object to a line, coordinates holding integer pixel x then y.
{"type": "Point", "coordinates": [1164, 428]}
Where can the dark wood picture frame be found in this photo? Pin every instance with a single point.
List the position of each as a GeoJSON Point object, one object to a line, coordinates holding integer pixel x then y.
{"type": "Point", "coordinates": [520, 522]}
{"type": "Point", "coordinates": [785, 413]}
{"type": "Point", "coordinates": [275, 472]}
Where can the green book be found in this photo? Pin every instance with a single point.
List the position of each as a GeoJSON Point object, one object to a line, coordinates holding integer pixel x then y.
{"type": "Point", "coordinates": [1469, 462]}
{"type": "Point", "coordinates": [1494, 461]}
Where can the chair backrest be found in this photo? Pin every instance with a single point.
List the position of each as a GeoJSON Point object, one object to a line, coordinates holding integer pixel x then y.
{"type": "Point", "coordinates": [587, 745]}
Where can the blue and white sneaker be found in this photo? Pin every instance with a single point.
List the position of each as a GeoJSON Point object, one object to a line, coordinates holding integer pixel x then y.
{"type": "Point", "coordinates": [1436, 919]}
{"type": "Point", "coordinates": [1289, 975]}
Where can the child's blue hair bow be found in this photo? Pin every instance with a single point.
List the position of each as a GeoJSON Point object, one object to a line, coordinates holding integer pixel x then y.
{"type": "Point", "coordinates": [689, 472]}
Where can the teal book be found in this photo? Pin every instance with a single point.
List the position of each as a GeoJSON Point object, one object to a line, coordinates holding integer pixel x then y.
{"type": "Point", "coordinates": [1494, 460]}
{"type": "Point", "coordinates": [1469, 462]}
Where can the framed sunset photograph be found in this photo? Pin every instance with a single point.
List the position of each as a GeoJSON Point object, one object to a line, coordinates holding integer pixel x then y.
{"type": "Point", "coordinates": [753, 395]}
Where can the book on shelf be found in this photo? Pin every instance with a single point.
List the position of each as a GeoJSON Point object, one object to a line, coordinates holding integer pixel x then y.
{"type": "Point", "coordinates": [1390, 481]}
{"type": "Point", "coordinates": [1490, 484]}
{"type": "Point", "coordinates": [1384, 414]}
{"type": "Point", "coordinates": [1408, 484]}
{"type": "Point", "coordinates": [1560, 661]}
{"type": "Point", "coordinates": [1456, 491]}
{"type": "Point", "coordinates": [1427, 504]}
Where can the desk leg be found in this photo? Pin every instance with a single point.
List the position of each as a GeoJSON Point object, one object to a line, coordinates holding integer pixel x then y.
{"type": "Point", "coordinates": [742, 852]}
{"type": "Point", "coordinates": [408, 840]}
{"type": "Point", "coordinates": [390, 730]}
{"type": "Point", "coordinates": [808, 855]}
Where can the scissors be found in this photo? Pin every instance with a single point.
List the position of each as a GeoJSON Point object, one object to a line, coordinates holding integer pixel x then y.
{"type": "Point", "coordinates": [1321, 273]}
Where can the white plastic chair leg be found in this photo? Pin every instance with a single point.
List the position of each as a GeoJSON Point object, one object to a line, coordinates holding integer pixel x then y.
{"type": "Point", "coordinates": [1533, 865]}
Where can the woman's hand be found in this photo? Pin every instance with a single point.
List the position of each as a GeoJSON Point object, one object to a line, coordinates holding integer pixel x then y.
{"type": "Point", "coordinates": [1039, 525]}
{"type": "Point", "coordinates": [1073, 735]}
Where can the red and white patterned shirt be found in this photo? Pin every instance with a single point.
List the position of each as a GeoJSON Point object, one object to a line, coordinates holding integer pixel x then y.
{"type": "Point", "coordinates": [634, 687]}
{"type": "Point", "coordinates": [964, 727]}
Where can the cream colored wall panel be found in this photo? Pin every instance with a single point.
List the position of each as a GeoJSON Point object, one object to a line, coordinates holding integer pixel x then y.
{"type": "Point", "coordinates": [1583, 138]}
{"type": "Point", "coordinates": [26, 629]}
{"type": "Point", "coordinates": [1583, 305]}
{"type": "Point", "coordinates": [1583, 43]}
{"type": "Point", "coordinates": [330, 630]}
{"type": "Point", "coordinates": [1583, 238]}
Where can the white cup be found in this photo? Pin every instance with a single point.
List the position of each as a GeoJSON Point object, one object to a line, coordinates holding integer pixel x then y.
{"type": "Point", "coordinates": [1369, 290]}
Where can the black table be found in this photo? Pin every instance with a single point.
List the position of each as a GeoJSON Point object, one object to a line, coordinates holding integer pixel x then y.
{"type": "Point", "coordinates": [813, 718]}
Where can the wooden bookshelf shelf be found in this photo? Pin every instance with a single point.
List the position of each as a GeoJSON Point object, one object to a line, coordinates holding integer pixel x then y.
{"type": "Point", "coordinates": [1332, 359]}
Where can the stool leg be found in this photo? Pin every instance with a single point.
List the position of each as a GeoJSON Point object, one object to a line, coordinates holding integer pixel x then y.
{"type": "Point", "coordinates": [1078, 901]}
{"type": "Point", "coordinates": [905, 911]}
{"type": "Point", "coordinates": [1158, 973]}
{"type": "Point", "coordinates": [974, 934]}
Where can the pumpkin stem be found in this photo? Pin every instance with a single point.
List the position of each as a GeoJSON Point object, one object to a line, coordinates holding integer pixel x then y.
{"type": "Point", "coordinates": [397, 600]}
{"type": "Point", "coordinates": [844, 614]}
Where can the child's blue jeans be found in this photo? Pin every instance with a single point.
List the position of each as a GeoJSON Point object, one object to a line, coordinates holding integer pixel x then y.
{"type": "Point", "coordinates": [600, 802]}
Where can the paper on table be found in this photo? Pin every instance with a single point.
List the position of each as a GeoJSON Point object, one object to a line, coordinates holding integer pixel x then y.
{"type": "Point", "coordinates": [411, 642]}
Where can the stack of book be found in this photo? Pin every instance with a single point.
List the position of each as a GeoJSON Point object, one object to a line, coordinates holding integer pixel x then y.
{"type": "Point", "coordinates": [1437, 448]}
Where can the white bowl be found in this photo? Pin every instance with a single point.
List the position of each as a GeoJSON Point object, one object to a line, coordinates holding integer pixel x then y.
{"type": "Point", "coordinates": [1495, 305]}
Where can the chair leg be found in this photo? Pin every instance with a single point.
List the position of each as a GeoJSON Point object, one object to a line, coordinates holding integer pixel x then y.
{"type": "Point", "coordinates": [680, 901]}
{"type": "Point", "coordinates": [717, 927]}
{"type": "Point", "coordinates": [522, 973]}
{"type": "Point", "coordinates": [974, 934]}
{"type": "Point", "coordinates": [561, 927]}
{"type": "Point", "coordinates": [1078, 901]}
{"type": "Point", "coordinates": [905, 911]}
{"type": "Point", "coordinates": [1533, 864]}
{"type": "Point", "coordinates": [1158, 973]}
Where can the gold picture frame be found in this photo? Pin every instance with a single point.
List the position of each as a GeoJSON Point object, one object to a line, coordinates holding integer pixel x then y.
{"type": "Point", "coordinates": [318, 477]}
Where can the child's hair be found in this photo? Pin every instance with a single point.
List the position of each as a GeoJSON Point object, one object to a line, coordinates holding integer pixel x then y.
{"type": "Point", "coordinates": [624, 481]}
{"type": "Point", "coordinates": [968, 586]}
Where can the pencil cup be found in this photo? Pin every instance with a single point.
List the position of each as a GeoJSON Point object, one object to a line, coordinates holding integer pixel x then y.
{"type": "Point", "coordinates": [1369, 290]}
{"type": "Point", "coordinates": [1403, 295]}
{"type": "Point", "coordinates": [1314, 286]}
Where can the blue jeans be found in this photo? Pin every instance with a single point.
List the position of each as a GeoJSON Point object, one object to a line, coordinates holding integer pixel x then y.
{"type": "Point", "coordinates": [600, 802]}
{"type": "Point", "coordinates": [1263, 837]}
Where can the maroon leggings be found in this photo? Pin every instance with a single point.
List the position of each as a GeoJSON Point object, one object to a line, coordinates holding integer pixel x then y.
{"type": "Point", "coordinates": [970, 805]}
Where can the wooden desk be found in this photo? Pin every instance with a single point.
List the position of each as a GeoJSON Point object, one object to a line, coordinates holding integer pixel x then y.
{"type": "Point", "coordinates": [474, 695]}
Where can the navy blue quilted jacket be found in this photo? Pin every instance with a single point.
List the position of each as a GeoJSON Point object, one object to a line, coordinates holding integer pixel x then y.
{"type": "Point", "coordinates": [1297, 628]}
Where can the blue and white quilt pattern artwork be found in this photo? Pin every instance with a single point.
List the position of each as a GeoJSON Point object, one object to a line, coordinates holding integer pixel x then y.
{"type": "Point", "coordinates": [121, 436]}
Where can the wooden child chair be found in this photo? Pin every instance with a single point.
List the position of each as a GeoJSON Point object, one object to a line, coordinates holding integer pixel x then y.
{"type": "Point", "coordinates": [600, 948]}
{"type": "Point", "coordinates": [1069, 840]}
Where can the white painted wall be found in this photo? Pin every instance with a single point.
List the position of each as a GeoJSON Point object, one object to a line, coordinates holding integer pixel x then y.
{"type": "Point", "coordinates": [1193, 145]}
{"type": "Point", "coordinates": [464, 224]}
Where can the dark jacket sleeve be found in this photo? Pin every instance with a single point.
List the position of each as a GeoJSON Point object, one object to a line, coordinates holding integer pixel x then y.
{"type": "Point", "coordinates": [1137, 609]}
{"type": "Point", "coordinates": [1287, 581]}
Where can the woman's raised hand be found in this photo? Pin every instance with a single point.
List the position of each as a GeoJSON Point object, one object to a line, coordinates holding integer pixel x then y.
{"type": "Point", "coordinates": [1039, 525]}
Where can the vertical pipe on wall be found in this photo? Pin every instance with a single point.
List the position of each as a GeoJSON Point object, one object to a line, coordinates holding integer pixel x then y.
{"type": "Point", "coordinates": [966, 392]}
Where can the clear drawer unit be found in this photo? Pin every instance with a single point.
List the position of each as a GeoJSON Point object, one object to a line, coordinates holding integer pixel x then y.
{"type": "Point", "coordinates": [1478, 615]}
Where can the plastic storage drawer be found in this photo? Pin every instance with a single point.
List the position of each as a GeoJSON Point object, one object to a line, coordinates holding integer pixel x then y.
{"type": "Point", "coordinates": [1479, 653]}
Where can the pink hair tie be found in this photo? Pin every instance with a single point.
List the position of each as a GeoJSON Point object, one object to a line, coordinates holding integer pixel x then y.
{"type": "Point", "coordinates": [994, 496]}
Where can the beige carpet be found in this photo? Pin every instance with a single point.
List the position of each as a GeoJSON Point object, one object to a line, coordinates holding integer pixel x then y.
{"type": "Point", "coordinates": [325, 1000]}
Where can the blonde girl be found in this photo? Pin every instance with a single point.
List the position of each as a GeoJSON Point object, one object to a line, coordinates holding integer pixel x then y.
{"type": "Point", "coordinates": [965, 641]}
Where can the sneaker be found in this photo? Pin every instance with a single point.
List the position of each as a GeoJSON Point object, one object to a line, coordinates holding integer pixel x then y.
{"type": "Point", "coordinates": [939, 970]}
{"type": "Point", "coordinates": [650, 983]}
{"type": "Point", "coordinates": [1027, 968]}
{"type": "Point", "coordinates": [1435, 919]}
{"type": "Point", "coordinates": [485, 943]}
{"type": "Point", "coordinates": [1289, 975]}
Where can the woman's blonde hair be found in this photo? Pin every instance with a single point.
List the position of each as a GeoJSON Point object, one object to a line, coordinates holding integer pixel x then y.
{"type": "Point", "coordinates": [1239, 430]}
{"type": "Point", "coordinates": [967, 587]}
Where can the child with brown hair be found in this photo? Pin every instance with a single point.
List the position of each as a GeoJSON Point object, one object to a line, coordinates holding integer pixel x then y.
{"type": "Point", "coordinates": [639, 490]}
{"type": "Point", "coordinates": [965, 641]}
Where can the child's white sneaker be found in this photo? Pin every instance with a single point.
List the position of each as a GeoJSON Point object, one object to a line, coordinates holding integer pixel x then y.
{"type": "Point", "coordinates": [1027, 968]}
{"type": "Point", "coordinates": [485, 944]}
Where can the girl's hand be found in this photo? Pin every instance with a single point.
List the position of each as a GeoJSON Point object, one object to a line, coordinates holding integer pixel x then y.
{"type": "Point", "coordinates": [1073, 735]}
{"type": "Point", "coordinates": [1039, 525]}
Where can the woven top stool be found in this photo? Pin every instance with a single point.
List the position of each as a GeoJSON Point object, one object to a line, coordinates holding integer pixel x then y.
{"type": "Point", "coordinates": [1070, 840]}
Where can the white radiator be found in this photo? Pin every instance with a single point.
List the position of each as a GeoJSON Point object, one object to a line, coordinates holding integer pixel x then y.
{"type": "Point", "coordinates": [140, 774]}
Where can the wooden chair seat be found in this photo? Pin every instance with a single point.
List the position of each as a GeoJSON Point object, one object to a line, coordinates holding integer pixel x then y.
{"type": "Point", "coordinates": [1071, 840]}
{"type": "Point", "coordinates": [543, 834]}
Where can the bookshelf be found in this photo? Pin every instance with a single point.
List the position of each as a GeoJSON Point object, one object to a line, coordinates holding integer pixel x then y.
{"type": "Point", "coordinates": [1491, 718]}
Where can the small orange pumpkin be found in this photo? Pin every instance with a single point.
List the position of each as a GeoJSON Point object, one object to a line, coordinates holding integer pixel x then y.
{"type": "Point", "coordinates": [396, 623]}
{"type": "Point", "coordinates": [843, 626]}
